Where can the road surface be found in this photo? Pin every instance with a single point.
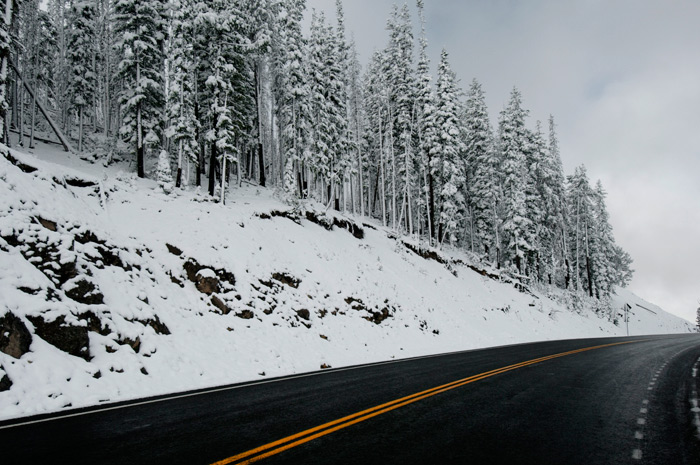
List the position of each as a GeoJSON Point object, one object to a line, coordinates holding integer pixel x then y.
{"type": "Point", "coordinates": [594, 401]}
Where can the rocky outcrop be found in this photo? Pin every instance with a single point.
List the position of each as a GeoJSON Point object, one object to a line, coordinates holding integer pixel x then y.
{"type": "Point", "coordinates": [71, 339]}
{"type": "Point", "coordinates": [15, 338]}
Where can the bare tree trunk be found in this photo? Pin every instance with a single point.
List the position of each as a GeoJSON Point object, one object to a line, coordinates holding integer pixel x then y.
{"type": "Point", "coordinates": [80, 129]}
{"type": "Point", "coordinates": [381, 165]}
{"type": "Point", "coordinates": [393, 171]}
{"type": "Point", "coordinates": [212, 169]}
{"type": "Point", "coordinates": [258, 103]}
{"type": "Point", "coordinates": [223, 179]}
{"type": "Point", "coordinates": [32, 123]}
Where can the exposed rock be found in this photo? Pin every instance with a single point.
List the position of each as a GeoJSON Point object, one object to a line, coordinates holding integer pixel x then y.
{"type": "Point", "coordinates": [77, 182]}
{"type": "Point", "coordinates": [23, 166]}
{"type": "Point", "coordinates": [15, 338]}
{"type": "Point", "coordinates": [5, 381]}
{"type": "Point", "coordinates": [85, 292]}
{"type": "Point", "coordinates": [356, 304]}
{"type": "Point", "coordinates": [175, 280]}
{"type": "Point", "coordinates": [109, 258]}
{"type": "Point", "coordinates": [226, 277]}
{"type": "Point", "coordinates": [29, 290]}
{"type": "Point", "coordinates": [48, 224]}
{"type": "Point", "coordinates": [46, 257]}
{"type": "Point", "coordinates": [245, 314]}
{"type": "Point", "coordinates": [218, 303]}
{"type": "Point", "coordinates": [425, 253]}
{"type": "Point", "coordinates": [191, 267]}
{"type": "Point", "coordinates": [158, 326]}
{"type": "Point", "coordinates": [325, 366]}
{"type": "Point", "coordinates": [286, 279]}
{"type": "Point", "coordinates": [322, 221]}
{"type": "Point", "coordinates": [303, 313]}
{"type": "Point", "coordinates": [88, 236]}
{"type": "Point", "coordinates": [354, 229]}
{"type": "Point", "coordinates": [173, 250]}
{"type": "Point", "coordinates": [207, 282]}
{"type": "Point", "coordinates": [68, 338]}
{"type": "Point", "coordinates": [379, 316]}
{"type": "Point", "coordinates": [135, 344]}
{"type": "Point", "coordinates": [94, 324]}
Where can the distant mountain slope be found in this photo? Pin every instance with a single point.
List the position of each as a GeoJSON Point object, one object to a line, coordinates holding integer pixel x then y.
{"type": "Point", "coordinates": [110, 289]}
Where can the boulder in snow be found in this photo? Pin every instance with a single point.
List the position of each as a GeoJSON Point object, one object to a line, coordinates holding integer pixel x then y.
{"type": "Point", "coordinates": [15, 338]}
{"type": "Point", "coordinates": [66, 337]}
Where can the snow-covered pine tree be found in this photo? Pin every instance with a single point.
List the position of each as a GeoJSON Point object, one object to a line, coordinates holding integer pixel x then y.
{"type": "Point", "coordinates": [376, 104]}
{"type": "Point", "coordinates": [164, 174]}
{"type": "Point", "coordinates": [292, 97]}
{"type": "Point", "coordinates": [622, 266]}
{"type": "Point", "coordinates": [319, 162]}
{"type": "Point", "coordinates": [229, 79]}
{"type": "Point", "coordinates": [337, 68]}
{"type": "Point", "coordinates": [512, 144]}
{"type": "Point", "coordinates": [257, 29]}
{"type": "Point", "coordinates": [556, 213]}
{"type": "Point", "coordinates": [537, 234]}
{"type": "Point", "coordinates": [446, 153]}
{"type": "Point", "coordinates": [8, 16]}
{"type": "Point", "coordinates": [484, 186]}
{"type": "Point", "coordinates": [329, 158]}
{"type": "Point", "coordinates": [580, 199]}
{"type": "Point", "coordinates": [398, 69]}
{"type": "Point", "coordinates": [426, 130]}
{"type": "Point", "coordinates": [181, 93]}
{"type": "Point", "coordinates": [140, 25]}
{"type": "Point", "coordinates": [602, 246]}
{"type": "Point", "coordinates": [81, 59]}
{"type": "Point", "coordinates": [356, 128]}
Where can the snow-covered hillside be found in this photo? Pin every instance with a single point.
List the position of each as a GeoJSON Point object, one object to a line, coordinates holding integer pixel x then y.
{"type": "Point", "coordinates": [111, 289]}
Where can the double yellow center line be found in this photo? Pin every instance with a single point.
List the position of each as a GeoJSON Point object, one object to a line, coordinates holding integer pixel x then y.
{"type": "Point", "coordinates": [303, 437]}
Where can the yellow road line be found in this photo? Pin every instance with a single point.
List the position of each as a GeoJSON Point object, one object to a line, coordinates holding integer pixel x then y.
{"type": "Point", "coordinates": [289, 442]}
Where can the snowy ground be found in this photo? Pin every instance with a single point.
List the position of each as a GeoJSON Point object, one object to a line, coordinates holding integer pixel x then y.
{"type": "Point", "coordinates": [236, 294]}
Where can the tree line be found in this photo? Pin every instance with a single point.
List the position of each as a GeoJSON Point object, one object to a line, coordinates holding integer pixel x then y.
{"type": "Point", "coordinates": [217, 89]}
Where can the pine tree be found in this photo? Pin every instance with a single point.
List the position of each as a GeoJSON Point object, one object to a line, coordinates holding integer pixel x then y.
{"type": "Point", "coordinates": [512, 141]}
{"type": "Point", "coordinates": [445, 154]}
{"type": "Point", "coordinates": [398, 70]}
{"type": "Point", "coordinates": [8, 16]}
{"type": "Point", "coordinates": [292, 85]}
{"type": "Point", "coordinates": [141, 28]}
{"type": "Point", "coordinates": [81, 53]}
{"type": "Point", "coordinates": [556, 212]}
{"type": "Point", "coordinates": [229, 79]}
{"type": "Point", "coordinates": [376, 108]}
{"type": "Point", "coordinates": [329, 158]}
{"type": "Point", "coordinates": [484, 189]}
{"type": "Point", "coordinates": [580, 198]}
{"type": "Point", "coordinates": [356, 128]}
{"type": "Point", "coordinates": [536, 197]}
{"type": "Point", "coordinates": [164, 174]}
{"type": "Point", "coordinates": [427, 132]}
{"type": "Point", "coordinates": [181, 95]}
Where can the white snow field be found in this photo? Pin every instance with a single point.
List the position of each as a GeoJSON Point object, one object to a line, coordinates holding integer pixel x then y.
{"type": "Point", "coordinates": [240, 292]}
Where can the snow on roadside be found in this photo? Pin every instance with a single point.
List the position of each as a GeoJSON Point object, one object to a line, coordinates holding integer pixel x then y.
{"type": "Point", "coordinates": [164, 293]}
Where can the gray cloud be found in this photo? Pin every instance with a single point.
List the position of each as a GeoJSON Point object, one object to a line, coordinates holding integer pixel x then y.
{"type": "Point", "coordinates": [621, 77]}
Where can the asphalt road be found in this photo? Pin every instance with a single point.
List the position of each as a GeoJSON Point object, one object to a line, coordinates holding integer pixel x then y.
{"type": "Point", "coordinates": [622, 403]}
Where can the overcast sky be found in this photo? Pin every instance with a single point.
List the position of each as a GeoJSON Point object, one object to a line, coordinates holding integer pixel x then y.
{"type": "Point", "coordinates": [622, 79]}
